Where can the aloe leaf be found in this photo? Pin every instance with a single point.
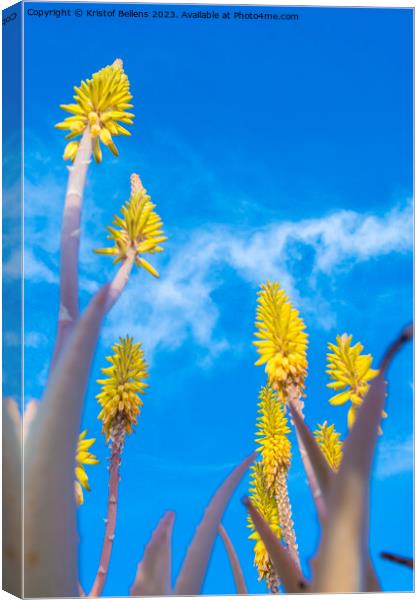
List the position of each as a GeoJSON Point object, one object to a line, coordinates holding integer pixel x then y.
{"type": "Point", "coordinates": [312, 453]}
{"type": "Point", "coordinates": [191, 577]}
{"type": "Point", "coordinates": [324, 475]}
{"type": "Point", "coordinates": [234, 562]}
{"type": "Point", "coordinates": [340, 565]}
{"type": "Point", "coordinates": [49, 504]}
{"type": "Point", "coordinates": [283, 563]}
{"type": "Point", "coordinates": [12, 498]}
{"type": "Point", "coordinates": [343, 563]}
{"type": "Point", "coordinates": [153, 577]}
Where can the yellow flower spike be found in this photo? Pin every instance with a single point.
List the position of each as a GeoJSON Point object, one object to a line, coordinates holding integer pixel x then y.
{"type": "Point", "coordinates": [263, 499]}
{"type": "Point", "coordinates": [331, 446]}
{"type": "Point", "coordinates": [120, 395]}
{"type": "Point", "coordinates": [272, 430]}
{"type": "Point", "coordinates": [100, 103]}
{"type": "Point", "coordinates": [350, 373]}
{"type": "Point", "coordinates": [83, 457]}
{"type": "Point", "coordinates": [282, 342]}
{"type": "Point", "coordinates": [138, 230]}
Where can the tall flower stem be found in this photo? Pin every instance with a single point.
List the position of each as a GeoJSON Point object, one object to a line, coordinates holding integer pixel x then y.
{"type": "Point", "coordinates": [70, 242]}
{"type": "Point", "coordinates": [121, 279]}
{"type": "Point", "coordinates": [285, 514]}
{"type": "Point", "coordinates": [111, 518]}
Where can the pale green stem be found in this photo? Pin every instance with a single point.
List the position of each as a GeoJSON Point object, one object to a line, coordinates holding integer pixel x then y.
{"type": "Point", "coordinates": [70, 243]}
{"type": "Point", "coordinates": [121, 279]}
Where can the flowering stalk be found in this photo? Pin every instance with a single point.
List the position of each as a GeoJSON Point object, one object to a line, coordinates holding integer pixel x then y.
{"type": "Point", "coordinates": [282, 344]}
{"type": "Point", "coordinates": [70, 241]}
{"type": "Point", "coordinates": [100, 102]}
{"type": "Point", "coordinates": [138, 231]}
{"type": "Point", "coordinates": [120, 401]}
{"type": "Point", "coordinates": [111, 519]}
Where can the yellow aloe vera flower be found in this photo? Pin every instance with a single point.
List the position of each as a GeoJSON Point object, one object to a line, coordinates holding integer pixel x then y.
{"type": "Point", "coordinates": [350, 372]}
{"type": "Point", "coordinates": [120, 396]}
{"type": "Point", "coordinates": [101, 105]}
{"type": "Point", "coordinates": [282, 342]}
{"type": "Point", "coordinates": [137, 230]}
{"type": "Point", "coordinates": [328, 440]}
{"type": "Point", "coordinates": [262, 497]}
{"type": "Point", "coordinates": [272, 430]}
{"type": "Point", "coordinates": [83, 457]}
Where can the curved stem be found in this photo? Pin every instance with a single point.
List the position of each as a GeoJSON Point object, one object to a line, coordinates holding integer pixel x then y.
{"type": "Point", "coordinates": [111, 519]}
{"type": "Point", "coordinates": [70, 241]}
{"type": "Point", "coordinates": [121, 279]}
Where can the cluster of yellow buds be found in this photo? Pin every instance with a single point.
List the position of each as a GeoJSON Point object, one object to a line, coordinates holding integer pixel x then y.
{"type": "Point", "coordinates": [100, 106]}
{"type": "Point", "coordinates": [282, 341]}
{"type": "Point", "coordinates": [138, 230]}
{"type": "Point", "coordinates": [120, 395]}
{"type": "Point", "coordinates": [263, 499]}
{"type": "Point", "coordinates": [83, 457]}
{"type": "Point", "coordinates": [331, 446]}
{"type": "Point", "coordinates": [350, 372]}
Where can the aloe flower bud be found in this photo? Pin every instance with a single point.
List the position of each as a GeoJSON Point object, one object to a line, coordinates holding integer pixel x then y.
{"type": "Point", "coordinates": [100, 106]}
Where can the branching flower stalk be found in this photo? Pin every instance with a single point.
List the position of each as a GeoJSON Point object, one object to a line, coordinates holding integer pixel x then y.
{"type": "Point", "coordinates": [121, 403]}
{"type": "Point", "coordinates": [100, 104]}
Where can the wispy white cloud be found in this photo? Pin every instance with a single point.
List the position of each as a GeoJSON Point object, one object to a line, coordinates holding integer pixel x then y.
{"type": "Point", "coordinates": [395, 457]}
{"type": "Point", "coordinates": [180, 305]}
{"type": "Point", "coordinates": [36, 269]}
{"type": "Point", "coordinates": [34, 339]}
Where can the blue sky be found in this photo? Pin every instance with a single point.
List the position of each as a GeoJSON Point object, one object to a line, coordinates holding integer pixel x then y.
{"type": "Point", "coordinates": [275, 150]}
